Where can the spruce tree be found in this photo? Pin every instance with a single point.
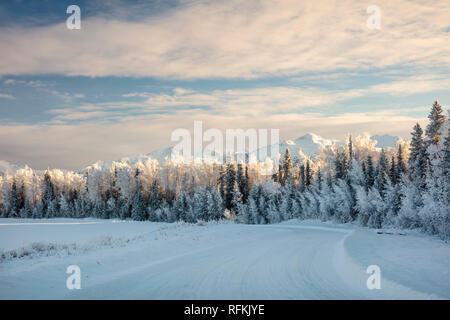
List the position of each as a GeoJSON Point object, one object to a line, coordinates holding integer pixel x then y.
{"type": "Point", "coordinates": [416, 146]}
{"type": "Point", "coordinates": [341, 165]}
{"type": "Point", "coordinates": [115, 190]}
{"type": "Point", "coordinates": [242, 180]}
{"type": "Point", "coordinates": [279, 174]}
{"type": "Point", "coordinates": [230, 178]}
{"type": "Point", "coordinates": [308, 174]}
{"type": "Point", "coordinates": [445, 167]}
{"type": "Point", "coordinates": [370, 172]}
{"type": "Point", "coordinates": [437, 119]}
{"type": "Point", "coordinates": [401, 165]}
{"type": "Point", "coordinates": [138, 209]}
{"type": "Point", "coordinates": [287, 167]}
{"type": "Point", "coordinates": [319, 179]}
{"type": "Point", "coordinates": [13, 201]}
{"type": "Point", "coordinates": [350, 149]}
{"type": "Point", "coordinates": [246, 186]}
{"type": "Point", "coordinates": [302, 178]}
{"type": "Point", "coordinates": [48, 195]}
{"type": "Point", "coordinates": [393, 171]}
{"type": "Point", "coordinates": [215, 205]}
{"type": "Point", "coordinates": [445, 201]}
{"type": "Point", "coordinates": [221, 181]}
{"type": "Point", "coordinates": [182, 207]}
{"type": "Point", "coordinates": [418, 158]}
{"type": "Point", "coordinates": [155, 198]}
{"type": "Point", "coordinates": [381, 173]}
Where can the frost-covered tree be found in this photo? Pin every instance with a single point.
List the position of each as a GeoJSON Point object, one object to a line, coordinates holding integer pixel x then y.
{"type": "Point", "coordinates": [286, 168]}
{"type": "Point", "coordinates": [381, 173]}
{"type": "Point", "coordinates": [393, 201]}
{"type": "Point", "coordinates": [215, 204]}
{"type": "Point", "coordinates": [327, 202]}
{"type": "Point", "coordinates": [343, 201]}
{"type": "Point", "coordinates": [64, 208]}
{"type": "Point", "coordinates": [417, 149]}
{"type": "Point", "coordinates": [230, 185]}
{"type": "Point", "coordinates": [371, 207]}
{"type": "Point", "coordinates": [243, 181]}
{"type": "Point", "coordinates": [341, 165]}
{"type": "Point", "coordinates": [309, 173]}
{"type": "Point", "coordinates": [182, 207]}
{"type": "Point", "coordinates": [437, 119]}
{"type": "Point", "coordinates": [412, 202]}
{"type": "Point", "coordinates": [369, 173]}
{"type": "Point", "coordinates": [139, 208]}
{"type": "Point", "coordinates": [401, 163]}
{"type": "Point", "coordinates": [48, 196]}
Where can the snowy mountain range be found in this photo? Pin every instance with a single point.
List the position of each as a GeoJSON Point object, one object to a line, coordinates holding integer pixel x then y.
{"type": "Point", "coordinates": [306, 146]}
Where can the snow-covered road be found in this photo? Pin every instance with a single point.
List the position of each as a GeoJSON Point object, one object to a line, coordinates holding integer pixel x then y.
{"type": "Point", "coordinates": [306, 260]}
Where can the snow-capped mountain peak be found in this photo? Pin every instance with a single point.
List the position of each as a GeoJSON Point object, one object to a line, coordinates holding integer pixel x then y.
{"type": "Point", "coordinates": [305, 146]}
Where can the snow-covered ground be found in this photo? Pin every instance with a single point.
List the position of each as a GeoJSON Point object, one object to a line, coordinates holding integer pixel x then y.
{"type": "Point", "coordinates": [145, 260]}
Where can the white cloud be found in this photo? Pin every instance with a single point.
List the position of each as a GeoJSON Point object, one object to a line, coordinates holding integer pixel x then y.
{"type": "Point", "coordinates": [255, 102]}
{"type": "Point", "coordinates": [135, 94]}
{"type": "Point", "coordinates": [413, 85]}
{"type": "Point", "coordinates": [237, 38]}
{"type": "Point", "coordinates": [31, 83]}
{"type": "Point", "coordinates": [6, 96]}
{"type": "Point", "coordinates": [64, 96]}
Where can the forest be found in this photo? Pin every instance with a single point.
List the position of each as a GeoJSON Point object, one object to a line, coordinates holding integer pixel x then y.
{"type": "Point", "coordinates": [403, 187]}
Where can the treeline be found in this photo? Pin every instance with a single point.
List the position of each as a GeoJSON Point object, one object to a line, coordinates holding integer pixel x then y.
{"type": "Point", "coordinates": [401, 187]}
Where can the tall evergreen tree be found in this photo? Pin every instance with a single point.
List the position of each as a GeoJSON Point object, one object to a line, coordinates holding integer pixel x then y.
{"type": "Point", "coordinates": [230, 183]}
{"type": "Point", "coordinates": [138, 209]}
{"type": "Point", "coordinates": [302, 178]}
{"type": "Point", "coordinates": [182, 207]}
{"type": "Point", "coordinates": [437, 119]}
{"type": "Point", "coordinates": [222, 181]}
{"type": "Point", "coordinates": [115, 190]}
{"type": "Point", "coordinates": [214, 204]}
{"type": "Point", "coordinates": [308, 174]}
{"type": "Point", "coordinates": [341, 165]}
{"type": "Point", "coordinates": [48, 195]}
{"type": "Point", "coordinates": [13, 201]}
{"type": "Point", "coordinates": [418, 158]}
{"type": "Point", "coordinates": [242, 180]}
{"type": "Point", "coordinates": [401, 165]}
{"type": "Point", "coordinates": [370, 172]}
{"type": "Point", "coordinates": [382, 172]}
{"type": "Point", "coordinates": [393, 171]}
{"type": "Point", "coordinates": [445, 167]}
{"type": "Point", "coordinates": [287, 168]}
{"type": "Point", "coordinates": [350, 149]}
{"type": "Point", "coordinates": [416, 146]}
{"type": "Point", "coordinates": [319, 179]}
{"type": "Point", "coordinates": [155, 197]}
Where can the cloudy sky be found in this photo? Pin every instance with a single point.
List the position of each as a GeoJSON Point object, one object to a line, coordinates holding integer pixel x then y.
{"type": "Point", "coordinates": [137, 70]}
